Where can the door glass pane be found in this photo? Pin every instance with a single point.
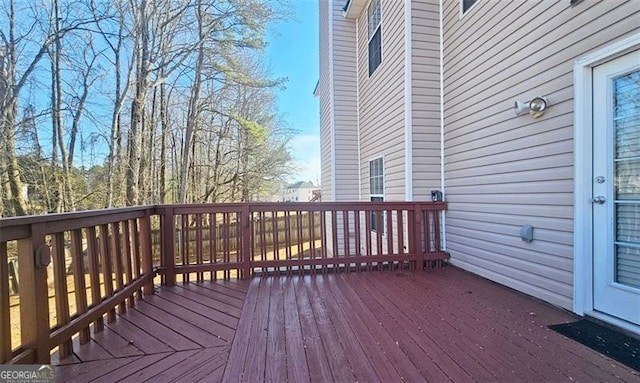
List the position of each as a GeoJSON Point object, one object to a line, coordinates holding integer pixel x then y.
{"type": "Point", "coordinates": [626, 123]}
{"type": "Point", "coordinates": [628, 222]}
{"type": "Point", "coordinates": [627, 179]}
{"type": "Point", "coordinates": [628, 266]}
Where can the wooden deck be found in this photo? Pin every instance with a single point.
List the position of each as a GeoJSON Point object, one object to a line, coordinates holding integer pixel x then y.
{"type": "Point", "coordinates": [391, 326]}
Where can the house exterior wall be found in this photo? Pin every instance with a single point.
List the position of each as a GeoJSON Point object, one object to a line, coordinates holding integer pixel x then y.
{"type": "Point", "coordinates": [381, 105]}
{"type": "Point", "coordinates": [503, 171]}
{"type": "Point", "coordinates": [337, 89]}
{"type": "Point", "coordinates": [322, 93]}
{"type": "Point", "coordinates": [425, 97]}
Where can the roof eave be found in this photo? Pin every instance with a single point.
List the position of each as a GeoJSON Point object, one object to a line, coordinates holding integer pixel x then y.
{"type": "Point", "coordinates": [353, 8]}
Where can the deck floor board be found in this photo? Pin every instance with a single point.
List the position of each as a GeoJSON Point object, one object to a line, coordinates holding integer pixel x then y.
{"type": "Point", "coordinates": [233, 371]}
{"type": "Point", "coordinates": [202, 316]}
{"type": "Point", "coordinates": [276, 366]}
{"type": "Point", "coordinates": [437, 326]}
{"type": "Point", "coordinates": [215, 294]}
{"type": "Point", "coordinates": [114, 343]}
{"type": "Point", "coordinates": [363, 369]}
{"type": "Point", "coordinates": [297, 368]}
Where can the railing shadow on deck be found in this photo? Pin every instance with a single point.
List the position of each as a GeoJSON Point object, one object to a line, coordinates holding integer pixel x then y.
{"type": "Point", "coordinates": [76, 269]}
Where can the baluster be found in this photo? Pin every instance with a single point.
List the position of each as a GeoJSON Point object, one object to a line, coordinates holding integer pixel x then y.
{"type": "Point", "coordinates": [80, 285]}
{"type": "Point", "coordinates": [61, 291]}
{"type": "Point", "coordinates": [33, 258]}
{"type": "Point", "coordinates": [5, 319]}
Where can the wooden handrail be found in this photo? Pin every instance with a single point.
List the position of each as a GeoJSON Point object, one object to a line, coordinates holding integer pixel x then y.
{"type": "Point", "coordinates": [112, 251]}
{"type": "Point", "coordinates": [413, 226]}
{"type": "Point", "coordinates": [107, 261]}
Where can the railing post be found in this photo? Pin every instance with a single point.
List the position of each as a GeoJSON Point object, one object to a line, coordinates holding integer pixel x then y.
{"type": "Point", "coordinates": [34, 257]}
{"type": "Point", "coordinates": [146, 251]}
{"type": "Point", "coordinates": [168, 228]}
{"type": "Point", "coordinates": [5, 322]}
{"type": "Point", "coordinates": [437, 237]}
{"type": "Point", "coordinates": [417, 235]}
{"type": "Point", "coordinates": [245, 253]}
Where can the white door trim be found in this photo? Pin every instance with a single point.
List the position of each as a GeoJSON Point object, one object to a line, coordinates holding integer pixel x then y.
{"type": "Point", "coordinates": [583, 238]}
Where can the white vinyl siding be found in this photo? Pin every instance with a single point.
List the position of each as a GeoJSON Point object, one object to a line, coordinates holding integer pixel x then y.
{"type": "Point", "coordinates": [425, 94]}
{"type": "Point", "coordinates": [325, 104]}
{"type": "Point", "coordinates": [344, 106]}
{"type": "Point", "coordinates": [381, 102]}
{"type": "Point", "coordinates": [503, 171]}
{"type": "Point", "coordinates": [337, 91]}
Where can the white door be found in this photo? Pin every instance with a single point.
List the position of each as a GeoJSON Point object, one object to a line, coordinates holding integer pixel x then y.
{"type": "Point", "coordinates": [616, 187]}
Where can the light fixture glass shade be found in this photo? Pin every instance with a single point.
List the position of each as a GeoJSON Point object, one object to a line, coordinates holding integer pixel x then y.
{"type": "Point", "coordinates": [537, 106]}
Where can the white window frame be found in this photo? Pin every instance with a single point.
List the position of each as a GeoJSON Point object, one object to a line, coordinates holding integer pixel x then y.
{"type": "Point", "coordinates": [378, 196]}
{"type": "Point", "coordinates": [371, 32]}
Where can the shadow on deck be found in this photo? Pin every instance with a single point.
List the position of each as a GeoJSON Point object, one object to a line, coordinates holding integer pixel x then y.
{"type": "Point", "coordinates": [441, 325]}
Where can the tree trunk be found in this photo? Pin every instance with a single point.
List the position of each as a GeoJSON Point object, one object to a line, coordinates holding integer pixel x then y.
{"type": "Point", "coordinates": [194, 111]}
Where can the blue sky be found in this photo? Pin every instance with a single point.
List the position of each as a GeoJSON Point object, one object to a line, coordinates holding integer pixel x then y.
{"type": "Point", "coordinates": [293, 53]}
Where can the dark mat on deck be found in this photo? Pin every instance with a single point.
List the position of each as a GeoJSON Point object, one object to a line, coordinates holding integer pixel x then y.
{"type": "Point", "coordinates": [614, 344]}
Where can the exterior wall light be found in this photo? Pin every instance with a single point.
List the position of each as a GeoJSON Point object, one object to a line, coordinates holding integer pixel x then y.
{"type": "Point", "coordinates": [535, 107]}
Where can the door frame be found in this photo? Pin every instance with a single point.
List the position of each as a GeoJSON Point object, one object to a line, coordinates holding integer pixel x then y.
{"type": "Point", "coordinates": [583, 174]}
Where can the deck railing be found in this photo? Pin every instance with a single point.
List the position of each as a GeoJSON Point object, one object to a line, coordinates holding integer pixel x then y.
{"type": "Point", "coordinates": [103, 261]}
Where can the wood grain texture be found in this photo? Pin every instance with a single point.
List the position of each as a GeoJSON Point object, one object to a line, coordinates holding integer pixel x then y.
{"type": "Point", "coordinates": [439, 325]}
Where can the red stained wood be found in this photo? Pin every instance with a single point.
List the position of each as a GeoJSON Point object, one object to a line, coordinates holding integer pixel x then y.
{"type": "Point", "coordinates": [114, 344]}
{"type": "Point", "coordinates": [125, 372]}
{"type": "Point", "coordinates": [442, 325]}
{"type": "Point", "coordinates": [126, 256]}
{"type": "Point", "coordinates": [228, 289]}
{"type": "Point", "coordinates": [275, 365]}
{"type": "Point", "coordinates": [254, 361]}
{"type": "Point", "coordinates": [336, 356]}
{"type": "Point", "coordinates": [105, 263]}
{"type": "Point", "coordinates": [423, 351]}
{"type": "Point", "coordinates": [182, 322]}
{"type": "Point", "coordinates": [202, 298]}
{"type": "Point", "coordinates": [118, 264]}
{"type": "Point", "coordinates": [380, 333]}
{"type": "Point", "coordinates": [94, 272]}
{"type": "Point", "coordinates": [89, 351]}
{"type": "Point", "coordinates": [318, 364]}
{"type": "Point", "coordinates": [90, 371]}
{"type": "Point", "coordinates": [80, 289]}
{"type": "Point", "coordinates": [5, 320]}
{"type": "Point", "coordinates": [233, 371]}
{"type": "Point", "coordinates": [60, 286]}
{"type": "Point", "coordinates": [198, 366]}
{"type": "Point", "coordinates": [362, 331]}
{"type": "Point", "coordinates": [199, 254]}
{"type": "Point", "coordinates": [206, 318]}
{"type": "Point", "coordinates": [160, 331]}
{"type": "Point", "coordinates": [138, 337]}
{"type": "Point", "coordinates": [297, 368]}
{"type": "Point", "coordinates": [167, 362]}
{"type": "Point", "coordinates": [363, 369]}
{"type": "Point", "coordinates": [197, 312]}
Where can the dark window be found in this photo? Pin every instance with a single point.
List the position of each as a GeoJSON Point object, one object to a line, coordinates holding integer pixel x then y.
{"type": "Point", "coordinates": [466, 4]}
{"type": "Point", "coordinates": [375, 51]}
{"type": "Point", "coordinates": [374, 20]}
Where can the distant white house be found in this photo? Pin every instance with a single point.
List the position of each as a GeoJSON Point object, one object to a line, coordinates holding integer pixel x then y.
{"type": "Point", "coordinates": [302, 191]}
